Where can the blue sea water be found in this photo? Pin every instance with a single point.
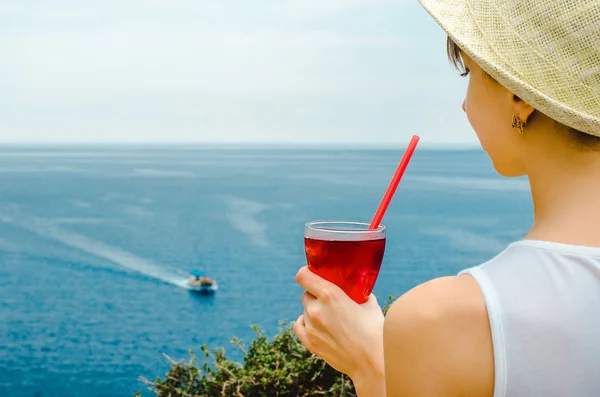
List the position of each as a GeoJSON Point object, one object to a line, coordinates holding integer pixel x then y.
{"type": "Point", "coordinates": [95, 243]}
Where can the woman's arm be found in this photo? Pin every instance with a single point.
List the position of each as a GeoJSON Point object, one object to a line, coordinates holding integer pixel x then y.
{"type": "Point", "coordinates": [437, 342]}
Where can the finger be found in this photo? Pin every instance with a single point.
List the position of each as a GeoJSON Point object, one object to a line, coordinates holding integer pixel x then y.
{"type": "Point", "coordinates": [300, 331]}
{"type": "Point", "coordinates": [316, 285]}
{"type": "Point", "coordinates": [307, 299]}
{"type": "Point", "coordinates": [307, 322]}
{"type": "Point", "coordinates": [313, 312]}
{"type": "Point", "coordinates": [372, 300]}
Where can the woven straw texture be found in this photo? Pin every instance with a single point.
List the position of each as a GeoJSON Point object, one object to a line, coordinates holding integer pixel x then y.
{"type": "Point", "coordinates": [547, 52]}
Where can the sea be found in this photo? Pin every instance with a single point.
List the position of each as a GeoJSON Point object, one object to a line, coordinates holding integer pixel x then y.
{"type": "Point", "coordinates": [96, 242]}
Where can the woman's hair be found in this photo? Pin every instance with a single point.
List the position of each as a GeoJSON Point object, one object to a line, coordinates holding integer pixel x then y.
{"type": "Point", "coordinates": [454, 56]}
{"type": "Point", "coordinates": [580, 139]}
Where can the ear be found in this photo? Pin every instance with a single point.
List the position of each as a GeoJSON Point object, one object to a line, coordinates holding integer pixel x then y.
{"type": "Point", "coordinates": [522, 109]}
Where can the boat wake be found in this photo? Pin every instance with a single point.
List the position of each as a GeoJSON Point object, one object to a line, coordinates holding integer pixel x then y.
{"type": "Point", "coordinates": [116, 255]}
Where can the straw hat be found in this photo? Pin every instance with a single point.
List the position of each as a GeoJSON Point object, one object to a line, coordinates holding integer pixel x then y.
{"type": "Point", "coordinates": [547, 52]}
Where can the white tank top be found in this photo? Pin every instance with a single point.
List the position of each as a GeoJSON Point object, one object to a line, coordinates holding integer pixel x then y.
{"type": "Point", "coordinates": [543, 303]}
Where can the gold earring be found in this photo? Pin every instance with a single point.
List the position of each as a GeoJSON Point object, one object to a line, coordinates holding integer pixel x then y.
{"type": "Point", "coordinates": [518, 124]}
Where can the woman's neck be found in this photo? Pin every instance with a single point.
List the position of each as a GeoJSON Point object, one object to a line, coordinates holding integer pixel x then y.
{"type": "Point", "coordinates": [565, 187]}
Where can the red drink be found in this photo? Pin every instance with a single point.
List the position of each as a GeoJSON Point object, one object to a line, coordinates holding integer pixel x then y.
{"type": "Point", "coordinates": [346, 254]}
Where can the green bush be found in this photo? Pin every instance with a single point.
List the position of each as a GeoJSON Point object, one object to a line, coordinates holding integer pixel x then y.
{"type": "Point", "coordinates": [281, 367]}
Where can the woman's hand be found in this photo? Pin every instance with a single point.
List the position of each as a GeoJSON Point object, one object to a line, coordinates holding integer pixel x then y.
{"type": "Point", "coordinates": [348, 336]}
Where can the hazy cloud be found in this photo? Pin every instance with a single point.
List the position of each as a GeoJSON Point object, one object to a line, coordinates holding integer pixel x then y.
{"type": "Point", "coordinates": [206, 70]}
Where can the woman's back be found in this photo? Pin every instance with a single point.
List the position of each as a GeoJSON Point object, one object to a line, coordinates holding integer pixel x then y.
{"type": "Point", "coordinates": [543, 302]}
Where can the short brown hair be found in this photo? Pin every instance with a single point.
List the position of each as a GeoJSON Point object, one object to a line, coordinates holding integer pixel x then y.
{"type": "Point", "coordinates": [454, 56]}
{"type": "Point", "coordinates": [581, 140]}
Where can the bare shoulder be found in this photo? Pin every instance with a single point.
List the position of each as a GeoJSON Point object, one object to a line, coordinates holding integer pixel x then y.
{"type": "Point", "coordinates": [438, 342]}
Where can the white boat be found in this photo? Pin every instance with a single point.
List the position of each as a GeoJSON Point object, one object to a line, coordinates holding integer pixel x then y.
{"type": "Point", "coordinates": [203, 288]}
{"type": "Point", "coordinates": [197, 281]}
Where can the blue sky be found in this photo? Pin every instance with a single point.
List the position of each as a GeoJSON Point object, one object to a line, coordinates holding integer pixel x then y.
{"type": "Point", "coordinates": [283, 71]}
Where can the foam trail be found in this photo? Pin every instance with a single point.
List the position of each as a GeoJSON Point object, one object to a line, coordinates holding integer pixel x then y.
{"type": "Point", "coordinates": [102, 250]}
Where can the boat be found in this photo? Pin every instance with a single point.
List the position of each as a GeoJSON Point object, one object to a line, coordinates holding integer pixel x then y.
{"type": "Point", "coordinates": [197, 281]}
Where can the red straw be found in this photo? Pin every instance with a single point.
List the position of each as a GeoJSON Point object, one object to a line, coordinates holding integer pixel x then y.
{"type": "Point", "coordinates": [385, 202]}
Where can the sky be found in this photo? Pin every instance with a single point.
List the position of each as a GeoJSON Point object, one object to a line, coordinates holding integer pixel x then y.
{"type": "Point", "coordinates": [227, 71]}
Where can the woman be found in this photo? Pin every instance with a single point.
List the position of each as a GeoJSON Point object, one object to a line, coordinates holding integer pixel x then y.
{"type": "Point", "coordinates": [526, 323]}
